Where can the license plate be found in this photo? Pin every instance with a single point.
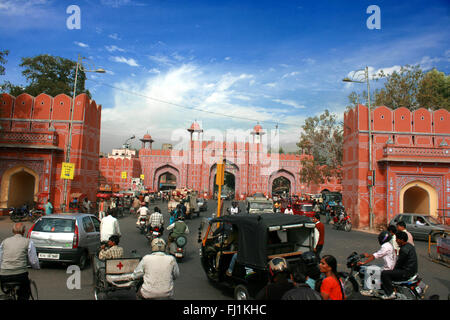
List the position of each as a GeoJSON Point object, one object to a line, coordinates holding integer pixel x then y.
{"type": "Point", "coordinates": [178, 255]}
{"type": "Point", "coordinates": [155, 233]}
{"type": "Point", "coordinates": [54, 256]}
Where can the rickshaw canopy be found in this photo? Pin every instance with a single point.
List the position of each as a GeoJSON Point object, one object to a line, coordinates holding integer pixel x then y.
{"type": "Point", "coordinates": [253, 233]}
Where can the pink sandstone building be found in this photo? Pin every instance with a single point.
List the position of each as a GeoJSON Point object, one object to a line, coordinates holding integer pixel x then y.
{"type": "Point", "coordinates": [410, 161]}
{"type": "Point", "coordinates": [34, 135]}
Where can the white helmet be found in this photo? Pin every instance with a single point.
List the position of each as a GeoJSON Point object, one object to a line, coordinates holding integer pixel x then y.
{"type": "Point", "coordinates": [158, 244]}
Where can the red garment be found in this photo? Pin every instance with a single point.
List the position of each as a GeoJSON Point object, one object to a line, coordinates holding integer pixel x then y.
{"type": "Point", "coordinates": [331, 287]}
{"type": "Point", "coordinates": [321, 228]}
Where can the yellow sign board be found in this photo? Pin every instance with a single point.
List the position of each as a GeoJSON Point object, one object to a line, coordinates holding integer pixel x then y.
{"type": "Point", "coordinates": [67, 170]}
{"type": "Point", "coordinates": [142, 177]}
{"type": "Point", "coordinates": [124, 174]}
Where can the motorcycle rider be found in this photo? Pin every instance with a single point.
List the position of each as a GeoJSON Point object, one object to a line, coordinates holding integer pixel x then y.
{"type": "Point", "coordinates": [405, 267]}
{"type": "Point", "coordinates": [142, 212]}
{"type": "Point", "coordinates": [234, 208]}
{"type": "Point", "coordinates": [15, 254]}
{"type": "Point", "coordinates": [179, 227]}
{"type": "Point", "coordinates": [159, 271]}
{"type": "Point", "coordinates": [156, 220]}
{"type": "Point", "coordinates": [386, 252]}
{"type": "Point", "coordinates": [280, 281]}
{"type": "Point", "coordinates": [288, 210]}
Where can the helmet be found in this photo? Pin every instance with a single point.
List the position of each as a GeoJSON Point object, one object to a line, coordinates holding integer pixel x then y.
{"type": "Point", "coordinates": [158, 244]}
{"type": "Point", "coordinates": [384, 237]}
{"type": "Point", "coordinates": [277, 265]}
{"type": "Point", "coordinates": [309, 258]}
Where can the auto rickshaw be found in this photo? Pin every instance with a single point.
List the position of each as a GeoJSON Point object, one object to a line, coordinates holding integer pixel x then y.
{"type": "Point", "coordinates": [255, 239]}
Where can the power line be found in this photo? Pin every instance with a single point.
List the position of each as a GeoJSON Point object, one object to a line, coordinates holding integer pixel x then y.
{"type": "Point", "coordinates": [277, 123]}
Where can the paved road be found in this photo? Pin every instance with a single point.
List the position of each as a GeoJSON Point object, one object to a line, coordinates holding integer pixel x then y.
{"type": "Point", "coordinates": [193, 284]}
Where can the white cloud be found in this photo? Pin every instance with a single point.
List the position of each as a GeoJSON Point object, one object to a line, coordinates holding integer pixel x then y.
{"type": "Point", "coordinates": [227, 58]}
{"type": "Point", "coordinates": [161, 59]}
{"type": "Point", "coordinates": [81, 44]}
{"type": "Point", "coordinates": [114, 48]}
{"type": "Point", "coordinates": [154, 70]}
{"type": "Point", "coordinates": [271, 84]}
{"type": "Point", "coordinates": [190, 86]}
{"type": "Point", "coordinates": [291, 103]}
{"type": "Point", "coordinates": [131, 62]}
{"type": "Point", "coordinates": [290, 74]}
{"type": "Point", "coordinates": [114, 36]}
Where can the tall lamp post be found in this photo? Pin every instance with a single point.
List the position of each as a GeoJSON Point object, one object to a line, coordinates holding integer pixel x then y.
{"type": "Point", "coordinates": [364, 78]}
{"type": "Point", "coordinates": [69, 146]}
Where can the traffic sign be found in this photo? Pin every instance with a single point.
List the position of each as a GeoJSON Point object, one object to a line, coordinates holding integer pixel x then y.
{"type": "Point", "coordinates": [67, 170]}
{"type": "Point", "coordinates": [124, 174]}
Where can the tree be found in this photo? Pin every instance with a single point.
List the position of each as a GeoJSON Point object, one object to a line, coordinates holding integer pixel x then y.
{"type": "Point", "coordinates": [3, 55]}
{"type": "Point", "coordinates": [322, 138]}
{"type": "Point", "coordinates": [434, 90]}
{"type": "Point", "coordinates": [50, 75]}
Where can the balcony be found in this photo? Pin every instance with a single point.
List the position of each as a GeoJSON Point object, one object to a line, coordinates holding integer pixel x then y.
{"type": "Point", "coordinates": [416, 154]}
{"type": "Point", "coordinates": [33, 140]}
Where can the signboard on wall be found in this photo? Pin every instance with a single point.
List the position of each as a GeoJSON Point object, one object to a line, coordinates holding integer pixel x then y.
{"type": "Point", "coordinates": [67, 170]}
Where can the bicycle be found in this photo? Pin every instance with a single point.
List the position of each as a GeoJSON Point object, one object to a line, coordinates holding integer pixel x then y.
{"type": "Point", "coordinates": [10, 291]}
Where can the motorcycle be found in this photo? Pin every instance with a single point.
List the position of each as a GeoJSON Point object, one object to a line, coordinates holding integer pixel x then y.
{"type": "Point", "coordinates": [368, 278]}
{"type": "Point", "coordinates": [20, 214]}
{"type": "Point", "coordinates": [154, 233]}
{"type": "Point", "coordinates": [342, 221]}
{"type": "Point", "coordinates": [176, 248]}
{"type": "Point", "coordinates": [142, 224]}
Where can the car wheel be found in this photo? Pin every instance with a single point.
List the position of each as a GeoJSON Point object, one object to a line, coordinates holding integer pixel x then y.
{"type": "Point", "coordinates": [241, 292]}
{"type": "Point", "coordinates": [83, 261]}
{"type": "Point", "coordinates": [435, 236]}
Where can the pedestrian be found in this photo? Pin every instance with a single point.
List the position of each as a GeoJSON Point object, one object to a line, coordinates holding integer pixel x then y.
{"type": "Point", "coordinates": [321, 229]}
{"type": "Point", "coordinates": [16, 253]}
{"type": "Point", "coordinates": [279, 281]}
{"type": "Point", "coordinates": [48, 207]}
{"type": "Point", "coordinates": [331, 286]}
{"type": "Point", "coordinates": [288, 210]}
{"type": "Point", "coordinates": [159, 271]}
{"type": "Point", "coordinates": [401, 226]}
{"type": "Point", "coordinates": [102, 209]}
{"type": "Point", "coordinates": [147, 200]}
{"type": "Point", "coordinates": [87, 205]}
{"type": "Point", "coordinates": [301, 291]}
{"type": "Point", "coordinates": [109, 226]}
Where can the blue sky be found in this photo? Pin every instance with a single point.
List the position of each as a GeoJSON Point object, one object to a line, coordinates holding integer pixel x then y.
{"type": "Point", "coordinates": [267, 61]}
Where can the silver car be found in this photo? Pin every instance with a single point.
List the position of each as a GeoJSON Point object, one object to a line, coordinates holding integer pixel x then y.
{"type": "Point", "coordinates": [427, 225]}
{"type": "Point", "coordinates": [66, 238]}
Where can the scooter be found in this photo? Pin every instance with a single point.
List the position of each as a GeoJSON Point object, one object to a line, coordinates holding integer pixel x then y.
{"type": "Point", "coordinates": [368, 278]}
{"type": "Point", "coordinates": [176, 248]}
{"type": "Point", "coordinates": [154, 233]}
{"type": "Point", "coordinates": [142, 224]}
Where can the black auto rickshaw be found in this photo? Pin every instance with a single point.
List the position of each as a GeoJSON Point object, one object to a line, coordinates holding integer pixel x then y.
{"type": "Point", "coordinates": [255, 239]}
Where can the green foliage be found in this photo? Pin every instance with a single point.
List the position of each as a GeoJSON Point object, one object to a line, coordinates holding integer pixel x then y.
{"type": "Point", "coordinates": [322, 138]}
{"type": "Point", "coordinates": [410, 87]}
{"type": "Point", "coordinates": [3, 55]}
{"type": "Point", "coordinates": [50, 75]}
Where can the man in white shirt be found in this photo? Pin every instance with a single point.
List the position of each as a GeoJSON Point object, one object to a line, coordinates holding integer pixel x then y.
{"type": "Point", "coordinates": [386, 252]}
{"type": "Point", "coordinates": [288, 210]}
{"type": "Point", "coordinates": [159, 271]}
{"type": "Point", "coordinates": [109, 226]}
{"type": "Point", "coordinates": [143, 212]}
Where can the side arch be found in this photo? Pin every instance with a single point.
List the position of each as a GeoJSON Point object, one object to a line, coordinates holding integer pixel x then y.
{"type": "Point", "coordinates": [282, 173]}
{"type": "Point", "coordinates": [422, 192]}
{"type": "Point", "coordinates": [6, 183]}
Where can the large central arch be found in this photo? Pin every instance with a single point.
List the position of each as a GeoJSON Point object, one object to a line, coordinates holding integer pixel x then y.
{"type": "Point", "coordinates": [162, 170]}
{"type": "Point", "coordinates": [230, 168]}
{"type": "Point", "coordinates": [19, 184]}
{"type": "Point", "coordinates": [282, 173]}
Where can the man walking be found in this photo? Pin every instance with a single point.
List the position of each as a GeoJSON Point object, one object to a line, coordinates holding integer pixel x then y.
{"type": "Point", "coordinates": [321, 229]}
{"type": "Point", "coordinates": [15, 254]}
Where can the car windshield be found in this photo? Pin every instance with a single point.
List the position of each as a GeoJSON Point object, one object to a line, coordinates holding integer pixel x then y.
{"type": "Point", "coordinates": [260, 205]}
{"type": "Point", "coordinates": [307, 207]}
{"type": "Point", "coordinates": [433, 220]}
{"type": "Point", "coordinates": [55, 225]}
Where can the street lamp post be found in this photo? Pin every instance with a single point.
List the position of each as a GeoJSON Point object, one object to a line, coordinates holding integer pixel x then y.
{"type": "Point", "coordinates": [370, 186]}
{"type": "Point", "coordinates": [69, 146]}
